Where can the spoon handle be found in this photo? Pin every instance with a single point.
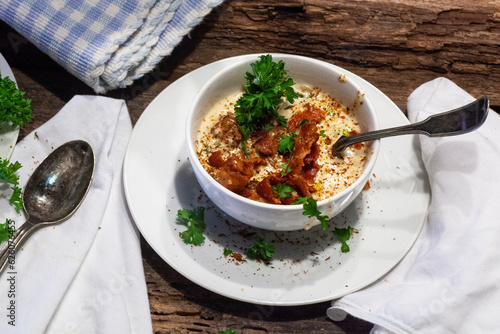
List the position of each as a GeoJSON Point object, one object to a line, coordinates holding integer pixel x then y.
{"type": "Point", "coordinates": [454, 122]}
{"type": "Point", "coordinates": [8, 251]}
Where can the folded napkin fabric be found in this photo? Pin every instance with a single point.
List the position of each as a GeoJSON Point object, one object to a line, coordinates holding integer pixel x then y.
{"type": "Point", "coordinates": [449, 282]}
{"type": "Point", "coordinates": [105, 43]}
{"type": "Point", "coordinates": [84, 275]}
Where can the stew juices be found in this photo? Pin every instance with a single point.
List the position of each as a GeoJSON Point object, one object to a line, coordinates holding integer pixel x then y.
{"type": "Point", "coordinates": [283, 162]}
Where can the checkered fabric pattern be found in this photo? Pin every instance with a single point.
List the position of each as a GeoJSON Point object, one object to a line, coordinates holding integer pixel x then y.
{"type": "Point", "coordinates": [105, 43]}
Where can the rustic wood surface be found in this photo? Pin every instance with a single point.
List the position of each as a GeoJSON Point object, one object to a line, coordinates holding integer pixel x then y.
{"type": "Point", "coordinates": [396, 45]}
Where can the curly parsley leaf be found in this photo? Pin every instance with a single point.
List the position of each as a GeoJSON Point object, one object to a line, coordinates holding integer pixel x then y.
{"type": "Point", "coordinates": [194, 219]}
{"type": "Point", "coordinates": [287, 143]}
{"type": "Point", "coordinates": [343, 234]}
{"type": "Point", "coordinates": [8, 171]}
{"type": "Point", "coordinates": [14, 108]}
{"type": "Point", "coordinates": [311, 210]}
{"type": "Point", "coordinates": [282, 190]}
{"type": "Point", "coordinates": [227, 252]}
{"type": "Point", "coordinates": [16, 199]}
{"type": "Point", "coordinates": [265, 88]}
{"type": "Point", "coordinates": [8, 175]}
{"type": "Point", "coordinates": [5, 230]}
{"type": "Point", "coordinates": [260, 250]}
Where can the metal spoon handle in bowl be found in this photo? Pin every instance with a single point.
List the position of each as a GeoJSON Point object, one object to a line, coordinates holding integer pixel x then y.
{"type": "Point", "coordinates": [454, 122]}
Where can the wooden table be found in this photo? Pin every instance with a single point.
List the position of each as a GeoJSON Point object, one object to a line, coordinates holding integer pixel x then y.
{"type": "Point", "coordinates": [396, 45]}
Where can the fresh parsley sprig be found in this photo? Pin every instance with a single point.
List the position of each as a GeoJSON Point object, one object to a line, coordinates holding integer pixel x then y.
{"type": "Point", "coordinates": [265, 88]}
{"type": "Point", "coordinates": [260, 250]}
{"type": "Point", "coordinates": [287, 143]}
{"type": "Point", "coordinates": [195, 220]}
{"type": "Point", "coordinates": [8, 175]}
{"type": "Point", "coordinates": [285, 168]}
{"type": "Point", "coordinates": [282, 190]}
{"type": "Point", "coordinates": [14, 108]}
{"type": "Point", "coordinates": [8, 171]}
{"type": "Point", "coordinates": [311, 210]}
{"type": "Point", "coordinates": [343, 234]}
{"type": "Point", "coordinates": [6, 231]}
{"type": "Point", "coordinates": [16, 198]}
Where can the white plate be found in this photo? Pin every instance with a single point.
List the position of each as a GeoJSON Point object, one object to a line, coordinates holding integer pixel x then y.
{"type": "Point", "coordinates": [308, 265]}
{"type": "Point", "coordinates": [8, 133]}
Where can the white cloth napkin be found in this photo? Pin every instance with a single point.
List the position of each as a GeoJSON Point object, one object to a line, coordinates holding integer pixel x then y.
{"type": "Point", "coordinates": [105, 43]}
{"type": "Point", "coordinates": [84, 275]}
{"type": "Point", "coordinates": [449, 282]}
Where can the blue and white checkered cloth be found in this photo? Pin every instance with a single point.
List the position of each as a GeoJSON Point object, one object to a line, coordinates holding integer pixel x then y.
{"type": "Point", "coordinates": [105, 43]}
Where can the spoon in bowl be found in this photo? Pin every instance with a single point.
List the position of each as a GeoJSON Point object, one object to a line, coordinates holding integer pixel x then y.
{"type": "Point", "coordinates": [454, 122]}
{"type": "Point", "coordinates": [55, 191]}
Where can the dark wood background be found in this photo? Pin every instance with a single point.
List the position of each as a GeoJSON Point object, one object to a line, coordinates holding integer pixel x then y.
{"type": "Point", "coordinates": [396, 45]}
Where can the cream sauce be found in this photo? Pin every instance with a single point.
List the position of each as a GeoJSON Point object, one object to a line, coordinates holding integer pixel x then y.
{"type": "Point", "coordinates": [335, 174]}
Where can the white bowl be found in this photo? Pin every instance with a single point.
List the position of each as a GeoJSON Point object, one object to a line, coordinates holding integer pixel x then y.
{"type": "Point", "coordinates": [334, 82]}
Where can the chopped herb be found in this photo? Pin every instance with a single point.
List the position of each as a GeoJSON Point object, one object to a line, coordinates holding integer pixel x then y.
{"type": "Point", "coordinates": [302, 122]}
{"type": "Point", "coordinates": [194, 219]}
{"type": "Point", "coordinates": [344, 132]}
{"type": "Point", "coordinates": [343, 234]}
{"type": "Point", "coordinates": [322, 133]}
{"type": "Point", "coordinates": [311, 210]}
{"type": "Point", "coordinates": [268, 126]}
{"type": "Point", "coordinates": [16, 199]}
{"type": "Point", "coordinates": [8, 174]}
{"type": "Point", "coordinates": [5, 231]}
{"type": "Point", "coordinates": [8, 171]}
{"type": "Point", "coordinates": [14, 108]}
{"type": "Point", "coordinates": [282, 190]}
{"type": "Point", "coordinates": [260, 250]}
{"type": "Point", "coordinates": [227, 331]}
{"type": "Point", "coordinates": [227, 252]}
{"type": "Point", "coordinates": [265, 88]}
{"type": "Point", "coordinates": [285, 169]}
{"type": "Point", "coordinates": [287, 143]}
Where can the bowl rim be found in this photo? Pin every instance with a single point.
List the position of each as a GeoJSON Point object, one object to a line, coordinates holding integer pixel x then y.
{"type": "Point", "coordinates": [375, 145]}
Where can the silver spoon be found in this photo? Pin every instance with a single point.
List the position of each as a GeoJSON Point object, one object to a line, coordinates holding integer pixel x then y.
{"type": "Point", "coordinates": [55, 191]}
{"type": "Point", "coordinates": [454, 122]}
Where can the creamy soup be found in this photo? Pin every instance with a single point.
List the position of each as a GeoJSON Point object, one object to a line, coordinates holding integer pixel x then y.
{"type": "Point", "coordinates": [315, 121]}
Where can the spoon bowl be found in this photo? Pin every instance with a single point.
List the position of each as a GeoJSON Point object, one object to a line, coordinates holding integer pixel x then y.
{"type": "Point", "coordinates": [55, 190]}
{"type": "Point", "coordinates": [450, 123]}
{"type": "Point", "coordinates": [58, 185]}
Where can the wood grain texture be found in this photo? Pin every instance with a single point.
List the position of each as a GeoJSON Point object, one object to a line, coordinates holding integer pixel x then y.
{"type": "Point", "coordinates": [396, 45]}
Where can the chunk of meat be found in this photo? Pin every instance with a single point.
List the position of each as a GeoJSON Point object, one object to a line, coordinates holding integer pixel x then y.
{"type": "Point", "coordinates": [237, 171]}
{"type": "Point", "coordinates": [267, 142]}
{"type": "Point", "coordinates": [312, 113]}
{"type": "Point", "coordinates": [216, 160]}
{"type": "Point", "coordinates": [308, 136]}
{"type": "Point", "coordinates": [265, 190]}
{"type": "Point", "coordinates": [226, 130]}
{"type": "Point", "coordinates": [313, 155]}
